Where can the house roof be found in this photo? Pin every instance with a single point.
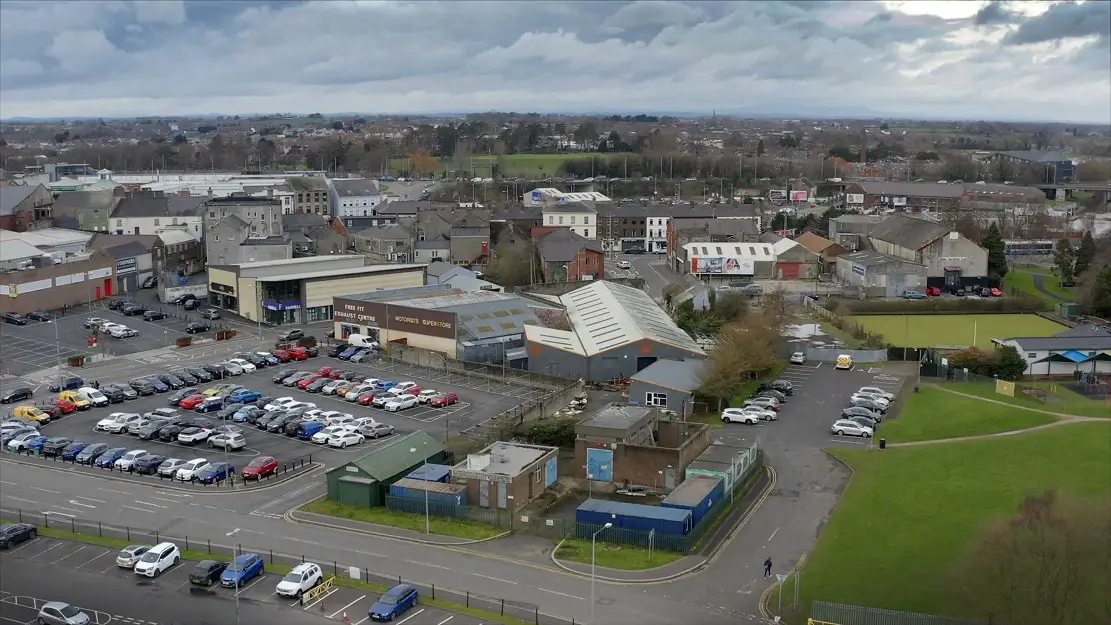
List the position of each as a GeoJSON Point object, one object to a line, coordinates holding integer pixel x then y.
{"type": "Point", "coordinates": [81, 200]}
{"type": "Point", "coordinates": [781, 246]}
{"type": "Point", "coordinates": [174, 237]}
{"type": "Point", "coordinates": [677, 375]}
{"type": "Point", "coordinates": [127, 250]}
{"type": "Point", "coordinates": [913, 189]}
{"type": "Point", "coordinates": [278, 239]}
{"type": "Point", "coordinates": [813, 242]}
{"type": "Point", "coordinates": [571, 207]}
{"type": "Point", "coordinates": [748, 250]}
{"type": "Point", "coordinates": [1093, 342]}
{"type": "Point", "coordinates": [233, 222]}
{"type": "Point", "coordinates": [105, 241]}
{"type": "Point", "coordinates": [715, 227]}
{"type": "Point", "coordinates": [438, 268]}
{"type": "Point", "coordinates": [433, 244]}
{"type": "Point", "coordinates": [355, 187]}
{"type": "Point", "coordinates": [908, 232]}
{"type": "Point", "coordinates": [12, 195]}
{"type": "Point", "coordinates": [868, 258]}
{"type": "Point", "coordinates": [388, 231]}
{"type": "Point", "coordinates": [308, 183]}
{"type": "Point", "coordinates": [561, 246]}
{"type": "Point", "coordinates": [301, 221]}
{"type": "Point", "coordinates": [164, 206]}
{"type": "Point", "coordinates": [401, 207]}
{"type": "Point", "coordinates": [471, 232]}
{"type": "Point", "coordinates": [394, 458]}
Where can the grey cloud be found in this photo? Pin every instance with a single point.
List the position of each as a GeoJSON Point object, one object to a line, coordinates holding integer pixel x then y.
{"type": "Point", "coordinates": [1067, 20]}
{"type": "Point", "coordinates": [994, 13]}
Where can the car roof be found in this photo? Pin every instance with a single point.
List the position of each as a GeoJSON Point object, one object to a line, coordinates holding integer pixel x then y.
{"type": "Point", "coordinates": [400, 589]}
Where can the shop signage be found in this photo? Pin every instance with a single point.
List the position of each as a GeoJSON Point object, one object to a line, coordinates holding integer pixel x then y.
{"type": "Point", "coordinates": [858, 270]}
{"type": "Point", "coordinates": [270, 304]}
{"type": "Point", "coordinates": [125, 266]}
{"type": "Point", "coordinates": [394, 318]}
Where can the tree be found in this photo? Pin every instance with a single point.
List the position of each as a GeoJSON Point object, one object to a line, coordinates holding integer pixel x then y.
{"type": "Point", "coordinates": [1097, 294]}
{"type": "Point", "coordinates": [1064, 257]}
{"type": "Point", "coordinates": [422, 162]}
{"type": "Point", "coordinates": [997, 251]}
{"type": "Point", "coordinates": [1009, 364]}
{"type": "Point", "coordinates": [760, 147]}
{"type": "Point", "coordinates": [1085, 254]}
{"type": "Point", "coordinates": [743, 349]}
{"type": "Point", "coordinates": [1050, 563]}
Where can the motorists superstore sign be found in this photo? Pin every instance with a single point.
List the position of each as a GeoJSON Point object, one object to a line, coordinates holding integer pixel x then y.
{"type": "Point", "coordinates": [400, 318]}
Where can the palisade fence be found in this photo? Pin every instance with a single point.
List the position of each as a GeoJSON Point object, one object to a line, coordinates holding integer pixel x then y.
{"type": "Point", "coordinates": [203, 548]}
{"type": "Point", "coordinates": [844, 614]}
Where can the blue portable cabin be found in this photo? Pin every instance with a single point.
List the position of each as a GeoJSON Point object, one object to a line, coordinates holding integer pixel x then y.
{"type": "Point", "coordinates": [409, 495]}
{"type": "Point", "coordinates": [431, 473]}
{"type": "Point", "coordinates": [699, 494]}
{"type": "Point", "coordinates": [635, 516]}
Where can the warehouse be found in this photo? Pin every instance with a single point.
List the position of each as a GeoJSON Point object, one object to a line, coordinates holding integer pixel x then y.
{"type": "Point", "coordinates": [612, 332]}
{"type": "Point", "coordinates": [507, 476]}
{"type": "Point", "coordinates": [301, 290]}
{"type": "Point", "coordinates": [366, 481]}
{"type": "Point", "coordinates": [479, 326]}
{"type": "Point", "coordinates": [880, 275]}
{"type": "Point", "coordinates": [722, 263]}
{"type": "Point", "coordinates": [908, 196]}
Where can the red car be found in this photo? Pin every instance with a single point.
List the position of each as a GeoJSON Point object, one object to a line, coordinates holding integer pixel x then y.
{"type": "Point", "coordinates": [299, 353]}
{"type": "Point", "coordinates": [192, 401]}
{"type": "Point", "coordinates": [283, 355]}
{"type": "Point", "coordinates": [63, 405]}
{"type": "Point", "coordinates": [260, 467]}
{"type": "Point", "coordinates": [364, 399]}
{"type": "Point", "coordinates": [444, 399]}
{"type": "Point", "coordinates": [336, 374]}
{"type": "Point", "coordinates": [995, 292]}
{"type": "Point", "coordinates": [325, 371]}
{"type": "Point", "coordinates": [933, 291]}
{"type": "Point", "coordinates": [303, 384]}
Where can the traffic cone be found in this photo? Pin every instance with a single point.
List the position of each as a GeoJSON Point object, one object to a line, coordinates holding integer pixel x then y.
{"type": "Point", "coordinates": [345, 619]}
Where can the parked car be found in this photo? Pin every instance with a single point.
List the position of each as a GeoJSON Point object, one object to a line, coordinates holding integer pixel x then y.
{"type": "Point", "coordinates": [866, 422]}
{"type": "Point", "coordinates": [196, 327]}
{"type": "Point", "coordinates": [119, 423]}
{"type": "Point", "coordinates": [995, 292]}
{"type": "Point", "coordinates": [148, 465]}
{"type": "Point", "coordinates": [193, 436]}
{"type": "Point", "coordinates": [62, 613]}
{"type": "Point", "coordinates": [307, 429]}
{"type": "Point", "coordinates": [54, 446]}
{"type": "Point", "coordinates": [130, 555]}
{"type": "Point", "coordinates": [376, 430]}
{"type": "Point", "coordinates": [444, 399]}
{"type": "Point", "coordinates": [914, 295]}
{"type": "Point", "coordinates": [245, 365]}
{"type": "Point", "coordinates": [72, 450]}
{"type": "Point", "coordinates": [412, 388]}
{"type": "Point", "coordinates": [281, 376]}
{"type": "Point", "coordinates": [187, 472]}
{"type": "Point", "coordinates": [39, 315]}
{"type": "Point", "coordinates": [401, 402]}
{"type": "Point", "coordinates": [159, 559]}
{"type": "Point", "coordinates": [857, 411]}
{"type": "Point", "coordinates": [169, 467]}
{"type": "Point", "coordinates": [110, 456]}
{"type": "Point", "coordinates": [207, 572]}
{"type": "Point", "coordinates": [13, 395]}
{"type": "Point", "coordinates": [874, 406]}
{"type": "Point", "coordinates": [933, 291]}
{"type": "Point", "coordinates": [300, 579]}
{"type": "Point", "coordinates": [875, 390]}
{"type": "Point", "coordinates": [798, 358]}
{"type": "Point", "coordinates": [243, 568]}
{"type": "Point", "coordinates": [127, 461]}
{"type": "Point", "coordinates": [210, 404]}
{"type": "Point", "coordinates": [395, 602]}
{"type": "Point", "coordinates": [763, 402]}
{"type": "Point", "coordinates": [291, 335]}
{"type": "Point", "coordinates": [260, 467]}
{"type": "Point", "coordinates": [89, 454]}
{"type": "Point", "coordinates": [12, 534]}
{"type": "Point", "coordinates": [843, 427]}
{"type": "Point", "coordinates": [230, 441]}
{"type": "Point", "coordinates": [345, 438]}
{"type": "Point", "coordinates": [67, 384]}
{"type": "Point", "coordinates": [15, 319]}
{"type": "Point", "coordinates": [214, 472]}
{"type": "Point", "coordinates": [211, 313]}
{"type": "Point", "coordinates": [154, 315]}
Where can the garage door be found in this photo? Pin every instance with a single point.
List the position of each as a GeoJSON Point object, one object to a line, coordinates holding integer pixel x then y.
{"type": "Point", "coordinates": [788, 271]}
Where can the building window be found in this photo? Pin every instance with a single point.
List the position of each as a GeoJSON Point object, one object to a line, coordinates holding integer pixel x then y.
{"type": "Point", "coordinates": [536, 476]}
{"type": "Point", "coordinates": [551, 220]}
{"type": "Point", "coordinates": [572, 220]}
{"type": "Point", "coordinates": [656, 399]}
{"type": "Point", "coordinates": [561, 220]}
{"type": "Point", "coordinates": [217, 238]}
{"type": "Point", "coordinates": [119, 223]}
{"type": "Point", "coordinates": [1031, 356]}
{"type": "Point", "coordinates": [586, 221]}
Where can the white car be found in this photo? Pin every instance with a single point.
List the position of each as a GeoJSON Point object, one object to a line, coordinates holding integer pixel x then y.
{"type": "Point", "coordinates": [19, 442]}
{"type": "Point", "coordinates": [843, 427]}
{"type": "Point", "coordinates": [764, 414]}
{"type": "Point", "coordinates": [363, 422]}
{"type": "Point", "coordinates": [134, 426]}
{"type": "Point", "coordinates": [120, 423]}
{"type": "Point", "coordinates": [231, 367]}
{"type": "Point", "coordinates": [345, 438]}
{"type": "Point", "coordinates": [426, 395]}
{"type": "Point", "coordinates": [192, 436]}
{"type": "Point", "coordinates": [403, 387]}
{"type": "Point", "coordinates": [736, 415]}
{"type": "Point", "coordinates": [129, 556]}
{"type": "Point", "coordinates": [879, 399]}
{"type": "Point", "coordinates": [188, 471]}
{"type": "Point", "coordinates": [624, 264]}
{"type": "Point", "coordinates": [169, 467]}
{"type": "Point", "coordinates": [245, 365]}
{"type": "Point", "coordinates": [339, 418]}
{"type": "Point", "coordinates": [798, 358]}
{"type": "Point", "coordinates": [875, 390]}
{"type": "Point", "coordinates": [300, 579]}
{"type": "Point", "coordinates": [322, 436]}
{"type": "Point", "coordinates": [280, 403]}
{"type": "Point", "coordinates": [94, 322]}
{"type": "Point", "coordinates": [315, 414]}
{"type": "Point", "coordinates": [161, 413]}
{"type": "Point", "coordinates": [127, 460]}
{"type": "Point", "coordinates": [763, 402]}
{"type": "Point", "coordinates": [121, 332]}
{"type": "Point", "coordinates": [102, 425]}
{"type": "Point", "coordinates": [371, 381]}
{"type": "Point", "coordinates": [230, 441]}
{"type": "Point", "coordinates": [354, 393]}
{"type": "Point", "coordinates": [96, 398]}
{"type": "Point", "coordinates": [380, 401]}
{"type": "Point", "coordinates": [332, 387]}
{"type": "Point", "coordinates": [401, 402]}
{"type": "Point", "coordinates": [300, 406]}
{"type": "Point", "coordinates": [159, 559]}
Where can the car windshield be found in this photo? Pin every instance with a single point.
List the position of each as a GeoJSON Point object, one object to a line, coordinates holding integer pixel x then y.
{"type": "Point", "coordinates": [292, 577]}
{"type": "Point", "coordinates": [388, 600]}
{"type": "Point", "coordinates": [69, 611]}
{"type": "Point", "coordinates": [237, 566]}
{"type": "Point", "coordinates": [150, 556]}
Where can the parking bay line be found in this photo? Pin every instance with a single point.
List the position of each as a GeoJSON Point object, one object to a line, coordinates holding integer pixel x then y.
{"type": "Point", "coordinates": [88, 562]}
{"type": "Point", "coordinates": [25, 545]}
{"type": "Point", "coordinates": [79, 550]}
{"type": "Point", "coordinates": [326, 595]}
{"type": "Point", "coordinates": [344, 608]}
{"type": "Point", "coordinates": [51, 547]}
{"type": "Point", "coordinates": [410, 617]}
{"type": "Point", "coordinates": [250, 586]}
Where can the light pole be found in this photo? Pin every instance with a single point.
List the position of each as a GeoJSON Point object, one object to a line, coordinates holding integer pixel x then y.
{"type": "Point", "coordinates": [427, 518]}
{"type": "Point", "coordinates": [593, 563]}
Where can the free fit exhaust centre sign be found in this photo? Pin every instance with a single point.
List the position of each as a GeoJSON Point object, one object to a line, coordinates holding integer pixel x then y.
{"type": "Point", "coordinates": [399, 318]}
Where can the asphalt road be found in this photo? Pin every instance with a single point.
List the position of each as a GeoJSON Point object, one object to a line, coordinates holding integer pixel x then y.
{"type": "Point", "coordinates": [653, 268]}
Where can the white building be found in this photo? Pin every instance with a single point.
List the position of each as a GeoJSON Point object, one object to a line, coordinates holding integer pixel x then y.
{"type": "Point", "coordinates": [547, 195]}
{"type": "Point", "coordinates": [1086, 349]}
{"type": "Point", "coordinates": [150, 214]}
{"type": "Point", "coordinates": [355, 197]}
{"type": "Point", "coordinates": [578, 217]}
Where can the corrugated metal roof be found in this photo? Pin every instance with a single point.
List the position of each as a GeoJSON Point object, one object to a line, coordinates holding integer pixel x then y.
{"type": "Point", "coordinates": [432, 487]}
{"type": "Point", "coordinates": [430, 472]}
{"type": "Point", "coordinates": [678, 375]}
{"type": "Point", "coordinates": [750, 251]}
{"type": "Point", "coordinates": [393, 458]}
{"type": "Point", "coordinates": [635, 510]}
{"type": "Point", "coordinates": [908, 232]}
{"type": "Point", "coordinates": [913, 189]}
{"type": "Point", "coordinates": [12, 195]}
{"type": "Point", "coordinates": [497, 317]}
{"type": "Point", "coordinates": [1035, 156]}
{"type": "Point", "coordinates": [693, 490]}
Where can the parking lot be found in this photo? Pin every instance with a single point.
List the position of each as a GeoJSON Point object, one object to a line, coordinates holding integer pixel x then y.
{"type": "Point", "coordinates": [331, 604]}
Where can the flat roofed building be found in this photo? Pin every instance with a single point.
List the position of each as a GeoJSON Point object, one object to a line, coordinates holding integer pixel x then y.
{"type": "Point", "coordinates": [507, 475]}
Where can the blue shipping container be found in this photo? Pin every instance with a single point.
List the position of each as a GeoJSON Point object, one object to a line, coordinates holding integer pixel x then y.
{"type": "Point", "coordinates": [635, 516]}
{"type": "Point", "coordinates": [699, 494]}
{"type": "Point", "coordinates": [431, 473]}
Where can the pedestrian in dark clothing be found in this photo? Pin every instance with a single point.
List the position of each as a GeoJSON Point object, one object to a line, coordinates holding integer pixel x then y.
{"type": "Point", "coordinates": [96, 384]}
{"type": "Point", "coordinates": [768, 567]}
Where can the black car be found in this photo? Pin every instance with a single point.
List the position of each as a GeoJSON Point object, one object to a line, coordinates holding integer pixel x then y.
{"type": "Point", "coordinates": [182, 299]}
{"type": "Point", "coordinates": [182, 394]}
{"type": "Point", "coordinates": [783, 386]}
{"type": "Point", "coordinates": [771, 392]}
{"type": "Point", "coordinates": [256, 360]}
{"type": "Point", "coordinates": [149, 283]}
{"type": "Point", "coordinates": [152, 429]}
{"type": "Point", "coordinates": [857, 411]}
{"type": "Point", "coordinates": [335, 350]}
{"type": "Point", "coordinates": [172, 381]}
{"type": "Point", "coordinates": [267, 417]}
{"type": "Point", "coordinates": [12, 534]}
{"type": "Point", "coordinates": [15, 319]}
{"type": "Point", "coordinates": [38, 315]}
{"type": "Point", "coordinates": [192, 304]}
{"type": "Point", "coordinates": [280, 376]}
{"type": "Point", "coordinates": [227, 411]}
{"type": "Point", "coordinates": [143, 387]}
{"type": "Point", "coordinates": [13, 395]}
{"type": "Point", "coordinates": [319, 385]}
{"type": "Point", "coordinates": [154, 315]}
{"type": "Point", "coordinates": [196, 327]}
{"type": "Point", "coordinates": [866, 422]}
{"type": "Point", "coordinates": [118, 304]}
{"type": "Point", "coordinates": [89, 454]}
{"type": "Point", "coordinates": [218, 372]}
{"type": "Point", "coordinates": [201, 422]}
{"type": "Point", "coordinates": [290, 428]}
{"type": "Point", "coordinates": [124, 389]}
{"type": "Point", "coordinates": [148, 465]}
{"type": "Point", "coordinates": [278, 423]}
{"type": "Point", "coordinates": [169, 433]}
{"type": "Point", "coordinates": [200, 374]}
{"type": "Point", "coordinates": [186, 377]}
{"type": "Point", "coordinates": [133, 310]}
{"type": "Point", "coordinates": [55, 445]}
{"type": "Point", "coordinates": [207, 572]}
{"type": "Point", "coordinates": [261, 402]}
{"type": "Point", "coordinates": [113, 394]}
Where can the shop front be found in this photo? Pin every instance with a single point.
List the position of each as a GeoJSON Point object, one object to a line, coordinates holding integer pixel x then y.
{"type": "Point", "coordinates": [127, 275]}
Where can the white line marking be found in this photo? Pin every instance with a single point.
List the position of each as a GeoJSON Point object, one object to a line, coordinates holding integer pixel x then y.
{"type": "Point", "coordinates": [88, 562]}
{"type": "Point", "coordinates": [89, 499]}
{"type": "Point", "coordinates": [773, 534]}
{"type": "Point", "coordinates": [109, 490]}
{"type": "Point", "coordinates": [55, 546]}
{"type": "Point", "coordinates": [562, 594]}
{"type": "Point", "coordinates": [152, 505]}
{"type": "Point", "coordinates": [435, 566]}
{"type": "Point", "coordinates": [68, 516]}
{"type": "Point", "coordinates": [139, 509]}
{"type": "Point", "coordinates": [404, 620]}
{"type": "Point", "coordinates": [25, 545]}
{"type": "Point", "coordinates": [52, 492]}
{"type": "Point", "coordinates": [496, 579]}
{"type": "Point", "coordinates": [333, 614]}
{"type": "Point", "coordinates": [8, 483]}
{"type": "Point", "coordinates": [164, 499]}
{"type": "Point", "coordinates": [249, 586]}
{"type": "Point", "coordinates": [365, 618]}
{"type": "Point", "coordinates": [83, 505]}
{"type": "Point", "coordinates": [21, 499]}
{"type": "Point", "coordinates": [446, 620]}
{"type": "Point", "coordinates": [233, 532]}
{"type": "Point", "coordinates": [326, 595]}
{"type": "Point", "coordinates": [79, 550]}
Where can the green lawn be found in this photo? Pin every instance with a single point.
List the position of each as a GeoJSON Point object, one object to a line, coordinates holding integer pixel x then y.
{"type": "Point", "coordinates": [910, 513]}
{"type": "Point", "coordinates": [442, 526]}
{"type": "Point", "coordinates": [615, 555]}
{"type": "Point", "coordinates": [1061, 399]}
{"type": "Point", "coordinates": [932, 414]}
{"type": "Point", "coordinates": [525, 165]}
{"type": "Point", "coordinates": [1022, 278]}
{"type": "Point", "coordinates": [955, 330]}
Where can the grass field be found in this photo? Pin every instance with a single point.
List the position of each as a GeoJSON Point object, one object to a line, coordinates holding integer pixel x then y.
{"type": "Point", "coordinates": [442, 526]}
{"type": "Point", "coordinates": [1022, 278]}
{"type": "Point", "coordinates": [525, 165]}
{"type": "Point", "coordinates": [615, 556]}
{"type": "Point", "coordinates": [910, 513]}
{"type": "Point", "coordinates": [1061, 399]}
{"type": "Point", "coordinates": [952, 330]}
{"type": "Point", "coordinates": [932, 414]}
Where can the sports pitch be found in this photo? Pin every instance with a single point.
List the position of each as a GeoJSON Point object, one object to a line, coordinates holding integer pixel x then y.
{"type": "Point", "coordinates": [955, 330]}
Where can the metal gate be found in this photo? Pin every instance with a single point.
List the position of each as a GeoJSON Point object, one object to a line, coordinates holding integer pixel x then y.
{"type": "Point", "coordinates": [484, 493]}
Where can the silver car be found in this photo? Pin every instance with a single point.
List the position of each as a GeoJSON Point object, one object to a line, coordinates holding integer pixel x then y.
{"type": "Point", "coordinates": [130, 554]}
{"type": "Point", "coordinates": [846, 427]}
{"type": "Point", "coordinates": [58, 613]}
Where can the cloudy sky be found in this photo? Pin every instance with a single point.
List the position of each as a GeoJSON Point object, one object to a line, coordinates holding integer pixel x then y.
{"type": "Point", "coordinates": [953, 60]}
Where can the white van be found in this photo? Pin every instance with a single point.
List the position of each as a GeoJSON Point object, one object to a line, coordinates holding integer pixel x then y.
{"type": "Point", "coordinates": [94, 396]}
{"type": "Point", "coordinates": [844, 361]}
{"type": "Point", "coordinates": [361, 340]}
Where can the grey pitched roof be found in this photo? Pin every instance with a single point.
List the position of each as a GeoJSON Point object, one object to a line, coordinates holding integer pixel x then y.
{"type": "Point", "coordinates": [401, 207]}
{"type": "Point", "coordinates": [470, 232]}
{"type": "Point", "coordinates": [716, 227]}
{"type": "Point", "coordinates": [562, 246]}
{"type": "Point", "coordinates": [873, 259]}
{"type": "Point", "coordinates": [70, 203]}
{"type": "Point", "coordinates": [438, 268]}
{"type": "Point", "coordinates": [677, 375]}
{"type": "Point", "coordinates": [355, 187]}
{"type": "Point", "coordinates": [103, 241]}
{"type": "Point", "coordinates": [154, 206]}
{"type": "Point", "coordinates": [12, 195]}
{"type": "Point", "coordinates": [908, 232]}
{"type": "Point", "coordinates": [497, 317]}
{"type": "Point", "coordinates": [274, 240]}
{"type": "Point", "coordinates": [233, 222]}
{"type": "Point", "coordinates": [127, 250]}
{"type": "Point", "coordinates": [388, 231]}
{"type": "Point", "coordinates": [433, 244]}
{"type": "Point", "coordinates": [1093, 342]}
{"type": "Point", "coordinates": [571, 207]}
{"type": "Point", "coordinates": [913, 189]}
{"type": "Point", "coordinates": [301, 221]}
{"type": "Point", "coordinates": [299, 237]}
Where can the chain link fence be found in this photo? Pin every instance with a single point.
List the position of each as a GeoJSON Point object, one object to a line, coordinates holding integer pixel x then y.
{"type": "Point", "coordinates": [844, 614]}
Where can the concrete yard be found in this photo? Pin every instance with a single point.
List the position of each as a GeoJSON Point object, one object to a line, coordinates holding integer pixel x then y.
{"type": "Point", "coordinates": [48, 569]}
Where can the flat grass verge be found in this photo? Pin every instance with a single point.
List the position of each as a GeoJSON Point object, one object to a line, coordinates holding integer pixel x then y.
{"type": "Point", "coordinates": [615, 555]}
{"type": "Point", "coordinates": [1022, 278]}
{"type": "Point", "coordinates": [978, 330]}
{"type": "Point", "coordinates": [933, 414]}
{"type": "Point", "coordinates": [910, 513]}
{"type": "Point", "coordinates": [441, 526]}
{"type": "Point", "coordinates": [1062, 400]}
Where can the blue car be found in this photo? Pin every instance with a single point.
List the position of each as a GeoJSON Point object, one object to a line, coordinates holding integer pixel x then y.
{"type": "Point", "coordinates": [243, 396]}
{"type": "Point", "coordinates": [214, 472]}
{"type": "Point", "coordinates": [306, 430]}
{"type": "Point", "coordinates": [35, 443]}
{"type": "Point", "coordinates": [240, 415]}
{"type": "Point", "coordinates": [243, 569]}
{"type": "Point", "coordinates": [394, 603]}
{"type": "Point", "coordinates": [385, 385]}
{"type": "Point", "coordinates": [270, 359]}
{"type": "Point", "coordinates": [347, 353]}
{"type": "Point", "coordinates": [74, 448]}
{"type": "Point", "coordinates": [159, 385]}
{"type": "Point", "coordinates": [212, 404]}
{"type": "Point", "coordinates": [109, 458]}
{"type": "Point", "coordinates": [67, 384]}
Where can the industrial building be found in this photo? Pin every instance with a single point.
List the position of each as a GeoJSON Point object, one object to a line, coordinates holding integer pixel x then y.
{"type": "Point", "coordinates": [668, 384]}
{"type": "Point", "coordinates": [909, 196]}
{"type": "Point", "coordinates": [721, 263]}
{"type": "Point", "coordinates": [880, 275]}
{"type": "Point", "coordinates": [366, 481]}
{"type": "Point", "coordinates": [301, 290]}
{"type": "Point", "coordinates": [479, 326]}
{"type": "Point", "coordinates": [608, 332]}
{"type": "Point", "coordinates": [507, 476]}
{"type": "Point", "coordinates": [950, 259]}
{"type": "Point", "coordinates": [1049, 168]}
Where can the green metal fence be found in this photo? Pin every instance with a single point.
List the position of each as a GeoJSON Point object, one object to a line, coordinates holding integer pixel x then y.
{"type": "Point", "coordinates": [845, 614]}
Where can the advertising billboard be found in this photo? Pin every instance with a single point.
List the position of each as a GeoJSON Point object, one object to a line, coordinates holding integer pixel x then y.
{"type": "Point", "coordinates": [799, 196]}
{"type": "Point", "coordinates": [777, 195]}
{"type": "Point", "coordinates": [724, 265]}
{"type": "Point", "coordinates": [898, 201]}
{"type": "Point", "coordinates": [400, 318]}
{"type": "Point", "coordinates": [854, 198]}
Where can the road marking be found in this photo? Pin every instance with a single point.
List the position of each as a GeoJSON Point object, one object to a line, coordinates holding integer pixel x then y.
{"type": "Point", "coordinates": [25, 545]}
{"type": "Point", "coordinates": [773, 534]}
{"type": "Point", "coordinates": [79, 550]}
{"type": "Point", "coordinates": [169, 494]}
{"type": "Point", "coordinates": [83, 505]}
{"type": "Point", "coordinates": [168, 500]}
{"type": "Point", "coordinates": [88, 562]}
{"type": "Point", "coordinates": [404, 620]}
{"type": "Point", "coordinates": [819, 366]}
{"type": "Point", "coordinates": [562, 594]}
{"type": "Point", "coordinates": [496, 579]}
{"type": "Point", "coordinates": [446, 620]}
{"type": "Point", "coordinates": [326, 595]}
{"type": "Point", "coordinates": [21, 499]}
{"type": "Point", "coordinates": [435, 566]}
{"type": "Point", "coordinates": [233, 532]}
{"type": "Point", "coordinates": [55, 546]}
{"type": "Point", "coordinates": [366, 618]}
{"type": "Point", "coordinates": [251, 585]}
{"type": "Point", "coordinates": [152, 505]}
{"type": "Point", "coordinates": [8, 483]}
{"type": "Point", "coordinates": [52, 492]}
{"type": "Point", "coordinates": [68, 516]}
{"type": "Point", "coordinates": [90, 499]}
{"type": "Point", "coordinates": [139, 509]}
{"type": "Point", "coordinates": [109, 490]}
{"type": "Point", "coordinates": [333, 614]}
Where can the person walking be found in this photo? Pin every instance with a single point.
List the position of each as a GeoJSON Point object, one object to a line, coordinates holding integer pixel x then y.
{"type": "Point", "coordinates": [768, 567]}
{"type": "Point", "coordinates": [96, 384]}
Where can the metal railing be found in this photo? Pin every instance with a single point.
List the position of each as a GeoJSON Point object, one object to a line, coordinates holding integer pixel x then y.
{"type": "Point", "coordinates": [830, 613]}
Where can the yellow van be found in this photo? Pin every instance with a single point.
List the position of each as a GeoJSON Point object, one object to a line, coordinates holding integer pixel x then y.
{"type": "Point", "coordinates": [31, 412]}
{"type": "Point", "coordinates": [844, 361]}
{"type": "Point", "coordinates": [78, 398]}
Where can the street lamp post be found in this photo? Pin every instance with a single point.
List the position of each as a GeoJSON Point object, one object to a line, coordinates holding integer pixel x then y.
{"type": "Point", "coordinates": [593, 563]}
{"type": "Point", "coordinates": [427, 517]}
